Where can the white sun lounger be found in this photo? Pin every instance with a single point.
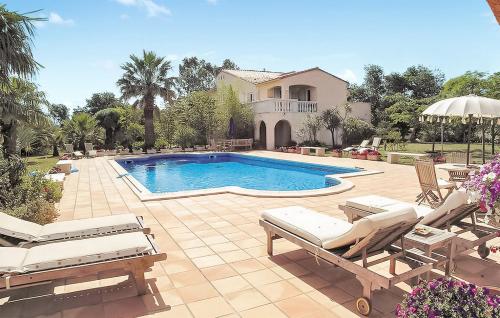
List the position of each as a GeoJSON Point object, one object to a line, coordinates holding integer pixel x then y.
{"type": "Point", "coordinates": [14, 231]}
{"type": "Point", "coordinates": [351, 246]}
{"type": "Point", "coordinates": [132, 253]}
{"type": "Point", "coordinates": [450, 213]}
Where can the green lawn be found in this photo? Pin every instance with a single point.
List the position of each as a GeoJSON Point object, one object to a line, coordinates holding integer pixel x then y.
{"type": "Point", "coordinates": [41, 163]}
{"type": "Point", "coordinates": [447, 147]}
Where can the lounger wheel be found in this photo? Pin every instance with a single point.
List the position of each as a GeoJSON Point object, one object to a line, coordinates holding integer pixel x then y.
{"type": "Point", "coordinates": [483, 251]}
{"type": "Point", "coordinates": [363, 306]}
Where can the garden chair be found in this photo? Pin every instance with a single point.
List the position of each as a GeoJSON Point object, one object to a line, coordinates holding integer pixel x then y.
{"type": "Point", "coordinates": [132, 253]}
{"type": "Point", "coordinates": [14, 231]}
{"type": "Point", "coordinates": [363, 144]}
{"type": "Point", "coordinates": [451, 216]}
{"type": "Point", "coordinates": [89, 150]}
{"type": "Point", "coordinates": [458, 157]}
{"type": "Point", "coordinates": [430, 185]}
{"type": "Point", "coordinates": [71, 151]}
{"type": "Point", "coordinates": [357, 248]}
{"type": "Point", "coordinates": [376, 143]}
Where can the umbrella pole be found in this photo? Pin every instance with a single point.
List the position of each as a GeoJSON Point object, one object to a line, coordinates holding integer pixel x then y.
{"type": "Point", "coordinates": [493, 137]}
{"type": "Point", "coordinates": [482, 141]}
{"type": "Point", "coordinates": [468, 138]}
{"type": "Point", "coordinates": [442, 137]}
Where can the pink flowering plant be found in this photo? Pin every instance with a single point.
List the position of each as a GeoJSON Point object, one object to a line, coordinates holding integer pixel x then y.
{"type": "Point", "coordinates": [450, 298]}
{"type": "Point", "coordinates": [485, 188]}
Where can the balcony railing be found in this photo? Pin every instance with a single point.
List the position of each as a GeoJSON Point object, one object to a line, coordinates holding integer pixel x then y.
{"type": "Point", "coordinates": [275, 105]}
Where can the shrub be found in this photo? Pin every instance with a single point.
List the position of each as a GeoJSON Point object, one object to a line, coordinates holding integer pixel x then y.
{"type": "Point", "coordinates": [161, 143]}
{"type": "Point", "coordinates": [30, 197]}
{"type": "Point", "coordinates": [447, 297]}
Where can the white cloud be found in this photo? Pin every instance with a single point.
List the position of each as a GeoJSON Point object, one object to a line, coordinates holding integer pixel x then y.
{"type": "Point", "coordinates": [55, 18]}
{"type": "Point", "coordinates": [349, 76]}
{"type": "Point", "coordinates": [152, 8]}
{"type": "Point", "coordinates": [212, 2]}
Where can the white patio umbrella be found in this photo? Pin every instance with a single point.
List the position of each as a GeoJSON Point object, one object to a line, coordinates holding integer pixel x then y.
{"type": "Point", "coordinates": [466, 107]}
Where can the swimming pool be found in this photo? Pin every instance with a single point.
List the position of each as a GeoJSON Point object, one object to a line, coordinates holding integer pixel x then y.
{"type": "Point", "coordinates": [186, 172]}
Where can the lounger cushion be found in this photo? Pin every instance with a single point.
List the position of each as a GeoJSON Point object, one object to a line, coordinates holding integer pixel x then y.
{"type": "Point", "coordinates": [86, 227]}
{"type": "Point", "coordinates": [11, 259]}
{"type": "Point", "coordinates": [371, 203]}
{"type": "Point", "coordinates": [14, 227]}
{"type": "Point", "coordinates": [389, 218]}
{"type": "Point", "coordinates": [454, 200]}
{"type": "Point", "coordinates": [319, 229]}
{"type": "Point", "coordinates": [90, 250]}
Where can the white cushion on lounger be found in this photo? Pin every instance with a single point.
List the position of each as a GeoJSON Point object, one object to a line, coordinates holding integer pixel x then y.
{"type": "Point", "coordinates": [319, 229]}
{"type": "Point", "coordinates": [14, 227]}
{"type": "Point", "coordinates": [11, 259]}
{"type": "Point", "coordinates": [453, 201]}
{"type": "Point", "coordinates": [371, 203]}
{"type": "Point", "coordinates": [389, 218]}
{"type": "Point", "coordinates": [90, 250]}
{"type": "Point", "coordinates": [92, 226]}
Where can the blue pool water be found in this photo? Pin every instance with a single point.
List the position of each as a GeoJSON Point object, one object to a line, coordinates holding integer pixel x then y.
{"type": "Point", "coordinates": [180, 172]}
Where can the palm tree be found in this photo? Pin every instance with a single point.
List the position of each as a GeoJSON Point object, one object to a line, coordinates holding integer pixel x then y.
{"type": "Point", "coordinates": [81, 128]}
{"type": "Point", "coordinates": [20, 101]}
{"type": "Point", "coordinates": [109, 119]}
{"type": "Point", "coordinates": [144, 79]}
{"type": "Point", "coordinates": [16, 57]}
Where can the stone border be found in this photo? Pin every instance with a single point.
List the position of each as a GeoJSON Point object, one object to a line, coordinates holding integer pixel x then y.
{"type": "Point", "coordinates": [145, 195]}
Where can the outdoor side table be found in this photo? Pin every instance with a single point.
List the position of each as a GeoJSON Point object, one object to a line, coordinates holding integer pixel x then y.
{"type": "Point", "coordinates": [438, 239]}
{"type": "Point", "coordinates": [65, 166]}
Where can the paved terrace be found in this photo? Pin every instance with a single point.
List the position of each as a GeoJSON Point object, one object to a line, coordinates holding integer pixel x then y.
{"type": "Point", "coordinates": [217, 263]}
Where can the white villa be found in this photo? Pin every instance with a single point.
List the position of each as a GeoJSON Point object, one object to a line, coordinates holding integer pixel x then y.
{"type": "Point", "coordinates": [282, 101]}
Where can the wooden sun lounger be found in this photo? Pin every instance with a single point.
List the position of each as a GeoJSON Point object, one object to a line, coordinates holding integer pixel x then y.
{"type": "Point", "coordinates": [455, 217]}
{"type": "Point", "coordinates": [12, 241]}
{"type": "Point", "coordinates": [375, 243]}
{"type": "Point", "coordinates": [135, 266]}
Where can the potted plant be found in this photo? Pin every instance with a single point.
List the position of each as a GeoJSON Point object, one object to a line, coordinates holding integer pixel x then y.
{"type": "Point", "coordinates": [373, 155]}
{"type": "Point", "coordinates": [447, 297]}
{"type": "Point", "coordinates": [484, 188]}
{"type": "Point", "coordinates": [337, 153]}
{"type": "Point", "coordinates": [354, 154]}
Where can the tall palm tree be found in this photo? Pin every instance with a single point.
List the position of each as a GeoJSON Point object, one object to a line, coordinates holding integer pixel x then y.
{"type": "Point", "coordinates": [16, 57]}
{"type": "Point", "coordinates": [144, 79]}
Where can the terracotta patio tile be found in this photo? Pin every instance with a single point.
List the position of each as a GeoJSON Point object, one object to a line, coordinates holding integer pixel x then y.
{"type": "Point", "coordinates": [210, 308]}
{"type": "Point", "coordinates": [197, 292]}
{"type": "Point", "coordinates": [187, 278]}
{"type": "Point", "coordinates": [279, 290]}
{"type": "Point", "coordinates": [262, 277]}
{"type": "Point", "coordinates": [298, 306]}
{"type": "Point", "coordinates": [218, 272]}
{"type": "Point", "coordinates": [247, 266]}
{"type": "Point", "coordinates": [234, 256]}
{"type": "Point", "coordinates": [231, 284]}
{"type": "Point", "coordinates": [207, 261]}
{"type": "Point", "coordinates": [263, 311]}
{"type": "Point", "coordinates": [246, 299]}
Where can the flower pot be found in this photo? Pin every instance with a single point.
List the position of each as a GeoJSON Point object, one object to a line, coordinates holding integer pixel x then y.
{"type": "Point", "coordinates": [373, 157]}
{"type": "Point", "coordinates": [354, 156]}
{"type": "Point", "coordinates": [361, 156]}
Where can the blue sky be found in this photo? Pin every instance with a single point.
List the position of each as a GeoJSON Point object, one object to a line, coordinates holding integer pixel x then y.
{"type": "Point", "coordinates": [84, 42]}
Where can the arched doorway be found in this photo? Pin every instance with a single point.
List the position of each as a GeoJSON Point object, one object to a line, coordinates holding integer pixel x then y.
{"type": "Point", "coordinates": [262, 134]}
{"type": "Point", "coordinates": [282, 133]}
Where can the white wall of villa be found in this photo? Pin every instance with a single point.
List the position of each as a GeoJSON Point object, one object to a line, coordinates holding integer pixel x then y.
{"type": "Point", "coordinates": [282, 101]}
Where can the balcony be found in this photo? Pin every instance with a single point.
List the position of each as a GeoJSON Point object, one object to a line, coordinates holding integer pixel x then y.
{"type": "Point", "coordinates": [276, 105]}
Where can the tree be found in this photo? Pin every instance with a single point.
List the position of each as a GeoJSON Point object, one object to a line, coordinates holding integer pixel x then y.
{"type": "Point", "coordinates": [228, 106]}
{"type": "Point", "coordinates": [197, 110]}
{"type": "Point", "coordinates": [20, 101]}
{"type": "Point", "coordinates": [422, 82]}
{"type": "Point", "coordinates": [16, 57]}
{"type": "Point", "coordinates": [468, 83]}
{"type": "Point", "coordinates": [372, 91]}
{"type": "Point", "coordinates": [109, 119]}
{"type": "Point", "coordinates": [100, 101]}
{"type": "Point", "coordinates": [80, 129]}
{"type": "Point", "coordinates": [195, 75]}
{"type": "Point", "coordinates": [146, 78]}
{"type": "Point", "coordinates": [227, 64]}
{"type": "Point", "coordinates": [331, 121]}
{"type": "Point", "coordinates": [58, 112]}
